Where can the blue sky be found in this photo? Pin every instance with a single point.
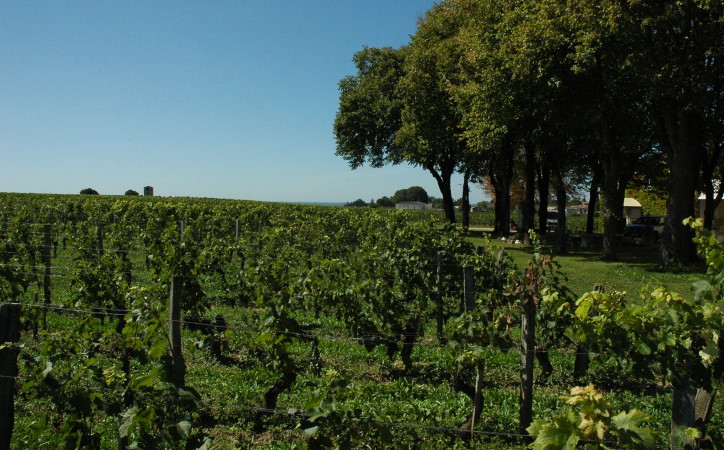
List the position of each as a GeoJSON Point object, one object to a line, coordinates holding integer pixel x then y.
{"type": "Point", "coordinates": [228, 99]}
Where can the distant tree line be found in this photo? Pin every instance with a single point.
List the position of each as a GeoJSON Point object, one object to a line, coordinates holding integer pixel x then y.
{"type": "Point", "coordinates": [91, 191]}
{"type": "Point", "coordinates": [411, 194]}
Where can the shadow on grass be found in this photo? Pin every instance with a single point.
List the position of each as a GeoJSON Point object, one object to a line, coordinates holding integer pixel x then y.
{"type": "Point", "coordinates": [644, 257]}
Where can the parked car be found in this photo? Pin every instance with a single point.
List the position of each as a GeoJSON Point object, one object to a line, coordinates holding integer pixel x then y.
{"type": "Point", "coordinates": [645, 227]}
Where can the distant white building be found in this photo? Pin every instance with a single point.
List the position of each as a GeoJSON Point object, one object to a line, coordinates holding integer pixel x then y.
{"type": "Point", "coordinates": [632, 209]}
{"type": "Point", "coordinates": [413, 205]}
{"type": "Point", "coordinates": [718, 225]}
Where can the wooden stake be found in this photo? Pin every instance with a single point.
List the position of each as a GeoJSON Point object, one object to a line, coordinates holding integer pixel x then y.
{"type": "Point", "coordinates": [498, 278]}
{"type": "Point", "coordinates": [683, 414]}
{"type": "Point", "coordinates": [527, 360]}
{"type": "Point", "coordinates": [99, 241]}
{"type": "Point", "coordinates": [478, 399]}
{"type": "Point", "coordinates": [178, 366]}
{"type": "Point", "coordinates": [9, 332]}
{"type": "Point", "coordinates": [46, 276]}
{"type": "Point", "coordinates": [469, 289]}
{"type": "Point", "coordinates": [438, 285]}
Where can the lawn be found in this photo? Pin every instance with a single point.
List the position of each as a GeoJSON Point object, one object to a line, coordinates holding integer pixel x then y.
{"type": "Point", "coordinates": [636, 268]}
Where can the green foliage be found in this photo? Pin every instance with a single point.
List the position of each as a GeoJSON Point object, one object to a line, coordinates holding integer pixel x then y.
{"type": "Point", "coordinates": [411, 194]}
{"type": "Point", "coordinates": [77, 370]}
{"type": "Point", "coordinates": [369, 109]}
{"type": "Point", "coordinates": [295, 278]}
{"type": "Point", "coordinates": [662, 333]}
{"type": "Point", "coordinates": [359, 202]}
{"type": "Point", "coordinates": [385, 202]}
{"type": "Point", "coordinates": [496, 310]}
{"type": "Point", "coordinates": [330, 425]}
{"type": "Point", "coordinates": [595, 426]}
{"type": "Point", "coordinates": [653, 202]}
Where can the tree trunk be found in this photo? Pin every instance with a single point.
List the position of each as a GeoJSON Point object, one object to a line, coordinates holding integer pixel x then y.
{"type": "Point", "coordinates": [711, 202]}
{"type": "Point", "coordinates": [528, 222]}
{"type": "Point", "coordinates": [684, 157]}
{"type": "Point", "coordinates": [466, 200]}
{"type": "Point", "coordinates": [544, 177]}
{"type": "Point", "coordinates": [443, 182]}
{"type": "Point", "coordinates": [561, 200]}
{"type": "Point", "coordinates": [592, 200]}
{"type": "Point", "coordinates": [612, 207]}
{"type": "Point", "coordinates": [501, 173]}
{"type": "Point", "coordinates": [711, 161]}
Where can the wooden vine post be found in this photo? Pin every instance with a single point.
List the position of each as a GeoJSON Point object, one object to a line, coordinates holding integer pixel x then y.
{"type": "Point", "coordinates": [46, 276]}
{"type": "Point", "coordinates": [178, 366]}
{"type": "Point", "coordinates": [9, 332]}
{"type": "Point", "coordinates": [469, 289]}
{"type": "Point", "coordinates": [527, 356]}
{"type": "Point", "coordinates": [99, 241]}
{"type": "Point", "coordinates": [469, 293]}
{"type": "Point", "coordinates": [478, 397]}
{"type": "Point", "coordinates": [499, 270]}
{"type": "Point", "coordinates": [438, 293]}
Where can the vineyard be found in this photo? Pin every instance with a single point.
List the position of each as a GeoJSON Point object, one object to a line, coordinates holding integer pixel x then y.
{"type": "Point", "coordinates": [198, 323]}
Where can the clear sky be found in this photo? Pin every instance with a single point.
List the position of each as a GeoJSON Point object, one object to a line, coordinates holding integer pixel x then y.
{"type": "Point", "coordinates": [227, 99]}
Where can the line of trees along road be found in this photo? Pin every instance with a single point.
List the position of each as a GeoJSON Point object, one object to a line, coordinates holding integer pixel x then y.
{"type": "Point", "coordinates": [552, 92]}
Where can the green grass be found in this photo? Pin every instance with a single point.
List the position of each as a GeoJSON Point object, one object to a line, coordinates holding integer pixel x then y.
{"type": "Point", "coordinates": [635, 269]}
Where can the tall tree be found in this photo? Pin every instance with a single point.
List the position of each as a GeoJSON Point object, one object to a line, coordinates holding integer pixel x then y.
{"type": "Point", "coordinates": [490, 98]}
{"type": "Point", "coordinates": [411, 194]}
{"type": "Point", "coordinates": [579, 49]}
{"type": "Point", "coordinates": [396, 109]}
{"type": "Point", "coordinates": [680, 55]}
{"type": "Point", "coordinates": [370, 109]}
{"type": "Point", "coordinates": [432, 118]}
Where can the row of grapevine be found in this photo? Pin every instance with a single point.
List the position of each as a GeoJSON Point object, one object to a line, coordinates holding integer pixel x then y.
{"type": "Point", "coordinates": [282, 260]}
{"type": "Point", "coordinates": [382, 276]}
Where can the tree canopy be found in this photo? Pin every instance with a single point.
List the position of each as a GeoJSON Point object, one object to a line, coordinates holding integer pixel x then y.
{"type": "Point", "coordinates": [555, 94]}
{"type": "Point", "coordinates": [411, 194]}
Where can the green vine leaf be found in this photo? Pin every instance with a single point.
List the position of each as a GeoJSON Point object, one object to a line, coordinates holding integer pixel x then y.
{"type": "Point", "coordinates": [562, 434]}
{"type": "Point", "coordinates": [628, 427]}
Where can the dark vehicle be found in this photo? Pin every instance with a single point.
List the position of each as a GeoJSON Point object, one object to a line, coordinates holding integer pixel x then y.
{"type": "Point", "coordinates": [645, 227]}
